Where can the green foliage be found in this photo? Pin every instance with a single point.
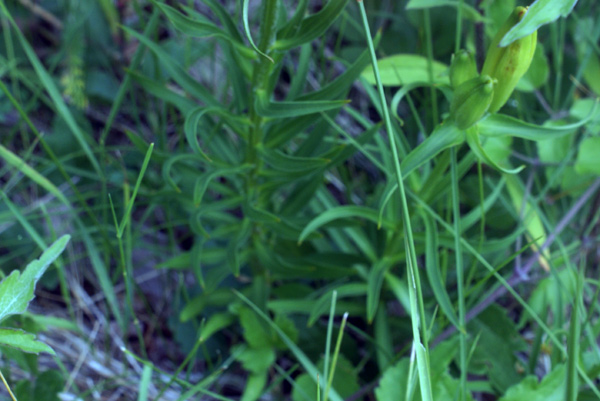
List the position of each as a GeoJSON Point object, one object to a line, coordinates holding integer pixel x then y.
{"type": "Point", "coordinates": [16, 291]}
{"type": "Point", "coordinates": [244, 152]}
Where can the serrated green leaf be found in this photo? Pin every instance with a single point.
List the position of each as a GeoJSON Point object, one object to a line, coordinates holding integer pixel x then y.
{"type": "Point", "coordinates": [257, 360]}
{"type": "Point", "coordinates": [552, 388]}
{"type": "Point", "coordinates": [23, 341]}
{"type": "Point", "coordinates": [313, 26]}
{"type": "Point", "coordinates": [541, 12]}
{"type": "Point", "coordinates": [306, 363]}
{"type": "Point", "coordinates": [16, 290]}
{"type": "Point", "coordinates": [405, 69]}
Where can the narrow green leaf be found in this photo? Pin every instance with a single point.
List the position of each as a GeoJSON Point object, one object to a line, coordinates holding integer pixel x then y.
{"type": "Point", "coordinates": [177, 72]}
{"type": "Point", "coordinates": [285, 109]}
{"type": "Point", "coordinates": [475, 145]}
{"type": "Point", "coordinates": [342, 212]}
{"type": "Point", "coordinates": [541, 12]}
{"type": "Point", "coordinates": [55, 95]}
{"type": "Point", "coordinates": [503, 125]}
{"type": "Point", "coordinates": [313, 26]}
{"type": "Point", "coordinates": [127, 215]}
{"type": "Point", "coordinates": [374, 284]}
{"type": "Point", "coordinates": [30, 172]}
{"type": "Point", "coordinates": [23, 341]}
{"type": "Point", "coordinates": [291, 164]}
{"type": "Point", "coordinates": [433, 271]}
{"type": "Point", "coordinates": [468, 11]}
{"type": "Point", "coordinates": [201, 28]}
{"type": "Point", "coordinates": [145, 383]}
{"type": "Point", "coordinates": [101, 272]}
{"type": "Point", "coordinates": [194, 117]}
{"type": "Point", "coordinates": [205, 178]}
{"type": "Point", "coordinates": [161, 91]}
{"type": "Point", "coordinates": [443, 137]}
{"type": "Point", "coordinates": [248, 33]}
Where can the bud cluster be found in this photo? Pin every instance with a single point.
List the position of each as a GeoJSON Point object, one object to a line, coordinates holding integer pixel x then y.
{"type": "Point", "coordinates": [474, 94]}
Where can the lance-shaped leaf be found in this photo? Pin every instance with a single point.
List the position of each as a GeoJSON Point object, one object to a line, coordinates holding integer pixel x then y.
{"type": "Point", "coordinates": [266, 108]}
{"type": "Point", "coordinates": [313, 26]}
{"type": "Point", "coordinates": [503, 125]}
{"type": "Point", "coordinates": [16, 290]}
{"type": "Point", "coordinates": [541, 12]}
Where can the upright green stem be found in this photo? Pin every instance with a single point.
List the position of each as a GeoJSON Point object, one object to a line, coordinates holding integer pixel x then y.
{"type": "Point", "coordinates": [432, 93]}
{"type": "Point", "coordinates": [260, 79]}
{"type": "Point", "coordinates": [415, 293]}
{"type": "Point", "coordinates": [458, 38]}
{"type": "Point", "coordinates": [459, 277]}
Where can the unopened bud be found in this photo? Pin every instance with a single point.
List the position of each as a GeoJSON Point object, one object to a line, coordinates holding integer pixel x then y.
{"type": "Point", "coordinates": [471, 100]}
{"type": "Point", "coordinates": [462, 68]}
{"type": "Point", "coordinates": [508, 64]}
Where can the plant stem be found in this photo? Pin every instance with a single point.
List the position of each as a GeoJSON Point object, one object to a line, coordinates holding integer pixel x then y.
{"type": "Point", "coordinates": [414, 283]}
{"type": "Point", "coordinates": [459, 277]}
{"type": "Point", "coordinates": [432, 93]}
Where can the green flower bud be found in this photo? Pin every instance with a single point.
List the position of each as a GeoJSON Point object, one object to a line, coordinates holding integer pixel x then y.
{"type": "Point", "coordinates": [462, 68]}
{"type": "Point", "coordinates": [471, 100]}
{"type": "Point", "coordinates": [508, 64]}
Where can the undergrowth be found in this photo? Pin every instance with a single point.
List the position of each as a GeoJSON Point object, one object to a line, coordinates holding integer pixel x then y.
{"type": "Point", "coordinates": [301, 200]}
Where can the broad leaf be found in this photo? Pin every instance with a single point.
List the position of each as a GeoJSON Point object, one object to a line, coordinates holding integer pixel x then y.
{"type": "Point", "coordinates": [587, 158]}
{"type": "Point", "coordinates": [24, 341]}
{"type": "Point", "coordinates": [552, 388]}
{"type": "Point", "coordinates": [16, 290]}
{"type": "Point", "coordinates": [405, 69]}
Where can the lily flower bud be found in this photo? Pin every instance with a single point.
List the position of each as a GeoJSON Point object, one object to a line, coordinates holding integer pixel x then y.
{"type": "Point", "coordinates": [462, 68]}
{"type": "Point", "coordinates": [471, 100]}
{"type": "Point", "coordinates": [508, 64]}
